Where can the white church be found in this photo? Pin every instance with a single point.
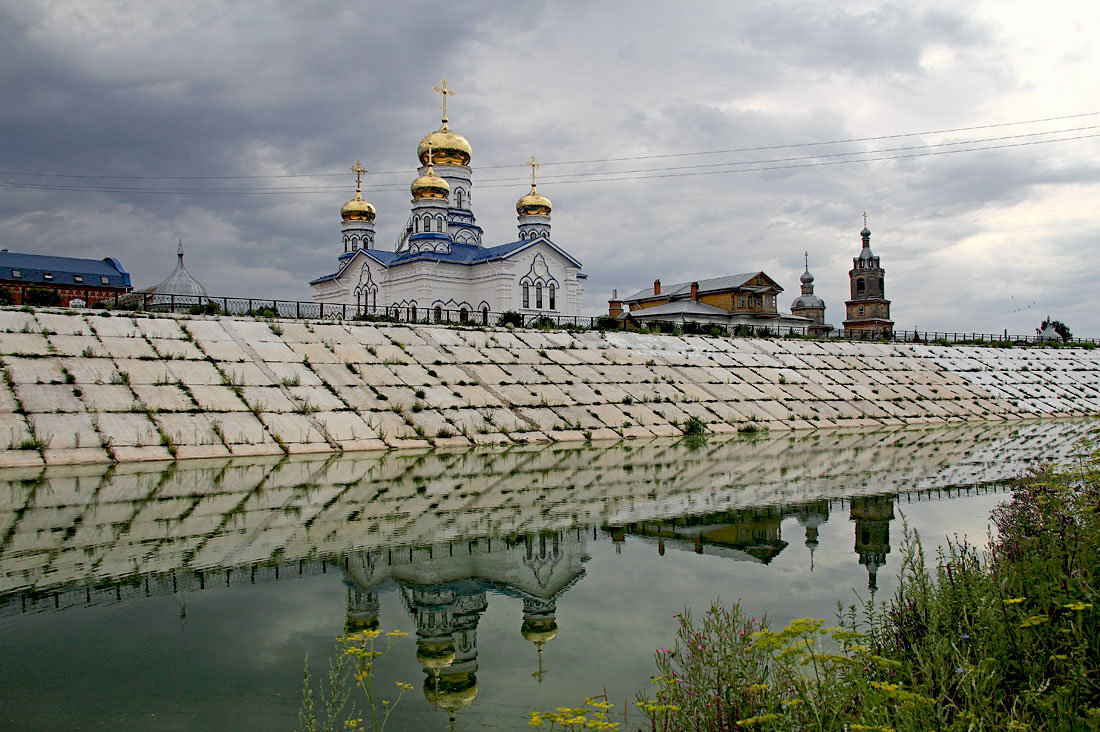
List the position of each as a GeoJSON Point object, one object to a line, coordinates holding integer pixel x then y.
{"type": "Point", "coordinates": [441, 269]}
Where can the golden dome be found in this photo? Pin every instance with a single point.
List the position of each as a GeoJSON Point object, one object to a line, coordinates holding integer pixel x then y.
{"type": "Point", "coordinates": [448, 147]}
{"type": "Point", "coordinates": [533, 204]}
{"type": "Point", "coordinates": [357, 209]}
{"type": "Point", "coordinates": [430, 185]}
{"type": "Point", "coordinates": [434, 656]}
{"type": "Point", "coordinates": [451, 692]}
{"type": "Point", "coordinates": [539, 631]}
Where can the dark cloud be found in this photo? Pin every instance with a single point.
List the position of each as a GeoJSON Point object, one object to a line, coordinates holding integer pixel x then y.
{"type": "Point", "coordinates": [218, 89]}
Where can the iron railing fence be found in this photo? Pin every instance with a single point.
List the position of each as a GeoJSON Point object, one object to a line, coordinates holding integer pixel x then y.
{"type": "Point", "coordinates": [272, 307]}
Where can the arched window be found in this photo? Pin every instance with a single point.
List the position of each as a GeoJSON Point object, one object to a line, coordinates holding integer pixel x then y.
{"type": "Point", "coordinates": [438, 314]}
{"type": "Point", "coordinates": [553, 300]}
{"type": "Point", "coordinates": [538, 295]}
{"type": "Point", "coordinates": [374, 300]}
{"type": "Point", "coordinates": [464, 316]}
{"type": "Point", "coordinates": [439, 224]}
{"type": "Point", "coordinates": [412, 313]}
{"type": "Point", "coordinates": [416, 225]}
{"type": "Point", "coordinates": [881, 289]}
{"type": "Point", "coordinates": [346, 244]}
{"type": "Point", "coordinates": [526, 295]}
{"type": "Point", "coordinates": [860, 286]}
{"type": "Point", "coordinates": [458, 198]}
{"type": "Point", "coordinates": [485, 315]}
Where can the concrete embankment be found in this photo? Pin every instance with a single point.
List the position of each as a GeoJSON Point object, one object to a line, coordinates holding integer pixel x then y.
{"type": "Point", "coordinates": [93, 387]}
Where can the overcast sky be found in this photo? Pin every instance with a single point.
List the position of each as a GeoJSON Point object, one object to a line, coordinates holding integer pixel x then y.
{"type": "Point", "coordinates": [971, 240]}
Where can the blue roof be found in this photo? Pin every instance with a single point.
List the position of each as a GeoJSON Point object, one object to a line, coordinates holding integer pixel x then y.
{"type": "Point", "coordinates": [460, 253]}
{"type": "Point", "coordinates": [32, 268]}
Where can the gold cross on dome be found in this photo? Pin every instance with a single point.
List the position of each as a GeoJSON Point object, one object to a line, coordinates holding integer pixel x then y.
{"type": "Point", "coordinates": [444, 91]}
{"type": "Point", "coordinates": [431, 151]}
{"type": "Point", "coordinates": [358, 169]}
{"type": "Point", "coordinates": [533, 164]}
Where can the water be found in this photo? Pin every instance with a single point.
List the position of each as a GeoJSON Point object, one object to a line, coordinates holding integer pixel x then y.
{"type": "Point", "coordinates": [187, 597]}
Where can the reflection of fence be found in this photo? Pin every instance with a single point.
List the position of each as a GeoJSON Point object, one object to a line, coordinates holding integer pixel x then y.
{"type": "Point", "coordinates": [273, 308]}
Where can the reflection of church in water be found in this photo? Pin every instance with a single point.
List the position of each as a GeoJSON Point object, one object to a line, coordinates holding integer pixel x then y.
{"type": "Point", "coordinates": [445, 589]}
{"type": "Point", "coordinates": [755, 535]}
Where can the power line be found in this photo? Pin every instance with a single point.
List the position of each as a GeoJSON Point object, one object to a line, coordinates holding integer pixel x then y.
{"type": "Point", "coordinates": [572, 162]}
{"type": "Point", "coordinates": [615, 176]}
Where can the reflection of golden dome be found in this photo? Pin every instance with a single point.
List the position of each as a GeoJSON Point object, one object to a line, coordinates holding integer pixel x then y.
{"type": "Point", "coordinates": [452, 691]}
{"type": "Point", "coordinates": [357, 209]}
{"type": "Point", "coordinates": [533, 204]}
{"type": "Point", "coordinates": [539, 631]}
{"type": "Point", "coordinates": [430, 185]}
{"type": "Point", "coordinates": [448, 147]}
{"type": "Point", "coordinates": [353, 624]}
{"type": "Point", "coordinates": [434, 656]}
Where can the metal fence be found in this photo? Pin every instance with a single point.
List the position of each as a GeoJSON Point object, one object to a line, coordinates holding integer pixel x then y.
{"type": "Point", "coordinates": [274, 308]}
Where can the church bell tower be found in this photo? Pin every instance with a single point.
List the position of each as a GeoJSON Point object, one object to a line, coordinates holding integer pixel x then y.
{"type": "Point", "coordinates": [868, 310]}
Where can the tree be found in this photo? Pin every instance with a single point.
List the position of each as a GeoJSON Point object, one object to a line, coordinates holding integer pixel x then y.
{"type": "Point", "coordinates": [1059, 327]}
{"type": "Point", "coordinates": [43, 297]}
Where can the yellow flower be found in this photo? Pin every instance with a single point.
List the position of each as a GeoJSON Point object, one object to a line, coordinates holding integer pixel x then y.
{"type": "Point", "coordinates": [536, 720]}
{"type": "Point", "coordinates": [396, 634]}
{"type": "Point", "coordinates": [757, 687]}
{"type": "Point", "coordinates": [1034, 620]}
{"type": "Point", "coordinates": [752, 721]}
{"type": "Point", "coordinates": [403, 686]}
{"type": "Point", "coordinates": [1078, 606]}
{"type": "Point", "coordinates": [1014, 601]}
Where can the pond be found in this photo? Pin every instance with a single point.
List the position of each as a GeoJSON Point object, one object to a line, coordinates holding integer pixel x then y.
{"type": "Point", "coordinates": [188, 596]}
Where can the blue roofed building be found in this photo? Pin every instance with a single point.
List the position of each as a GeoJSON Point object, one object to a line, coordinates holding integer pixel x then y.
{"type": "Point", "coordinates": [439, 267]}
{"type": "Point", "coordinates": [26, 276]}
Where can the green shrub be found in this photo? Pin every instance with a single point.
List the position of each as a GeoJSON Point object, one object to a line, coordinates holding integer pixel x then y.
{"type": "Point", "coordinates": [42, 297]}
{"type": "Point", "coordinates": [511, 318]}
{"type": "Point", "coordinates": [694, 426]}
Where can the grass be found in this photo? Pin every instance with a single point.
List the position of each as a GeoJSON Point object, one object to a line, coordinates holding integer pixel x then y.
{"type": "Point", "coordinates": [1002, 639]}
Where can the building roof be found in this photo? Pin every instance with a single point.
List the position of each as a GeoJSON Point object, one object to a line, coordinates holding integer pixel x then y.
{"type": "Point", "coordinates": [460, 253]}
{"type": "Point", "coordinates": [32, 268]}
{"type": "Point", "coordinates": [678, 308]}
{"type": "Point", "coordinates": [180, 282]}
{"type": "Point", "coordinates": [714, 284]}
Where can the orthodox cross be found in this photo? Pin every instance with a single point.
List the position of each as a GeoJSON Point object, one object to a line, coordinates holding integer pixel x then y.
{"type": "Point", "coordinates": [358, 169]}
{"type": "Point", "coordinates": [532, 163]}
{"type": "Point", "coordinates": [444, 91]}
{"type": "Point", "coordinates": [431, 151]}
{"type": "Point", "coordinates": [807, 256]}
{"type": "Point", "coordinates": [864, 219]}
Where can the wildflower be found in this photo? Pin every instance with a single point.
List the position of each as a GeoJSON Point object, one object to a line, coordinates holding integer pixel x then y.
{"type": "Point", "coordinates": [1034, 620]}
{"type": "Point", "coordinates": [760, 719]}
{"type": "Point", "coordinates": [1078, 606]}
{"type": "Point", "coordinates": [965, 636]}
{"type": "Point", "coordinates": [403, 686]}
{"type": "Point", "coordinates": [960, 670]}
{"type": "Point", "coordinates": [1014, 601]}
{"type": "Point", "coordinates": [1058, 657]}
{"type": "Point", "coordinates": [536, 720]}
{"type": "Point", "coordinates": [757, 687]}
{"type": "Point", "coordinates": [396, 634]}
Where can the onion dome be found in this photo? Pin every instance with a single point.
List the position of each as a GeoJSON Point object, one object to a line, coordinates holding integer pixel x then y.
{"type": "Point", "coordinates": [180, 282]}
{"type": "Point", "coordinates": [430, 185]}
{"type": "Point", "coordinates": [807, 301]}
{"type": "Point", "coordinates": [447, 147]}
{"type": "Point", "coordinates": [533, 204]}
{"type": "Point", "coordinates": [451, 692]}
{"type": "Point", "coordinates": [806, 278]}
{"type": "Point", "coordinates": [539, 631]}
{"type": "Point", "coordinates": [434, 656]}
{"type": "Point", "coordinates": [357, 209]}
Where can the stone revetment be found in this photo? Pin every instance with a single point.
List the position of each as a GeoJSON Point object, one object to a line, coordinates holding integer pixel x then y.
{"type": "Point", "coordinates": [85, 388]}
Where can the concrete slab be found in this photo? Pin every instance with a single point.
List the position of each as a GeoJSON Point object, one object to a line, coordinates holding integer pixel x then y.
{"type": "Point", "coordinates": [62, 345]}
{"type": "Point", "coordinates": [217, 399]}
{"type": "Point", "coordinates": [14, 431]}
{"type": "Point", "coordinates": [195, 373]}
{"type": "Point", "coordinates": [48, 398]}
{"type": "Point", "coordinates": [294, 374]}
{"type": "Point", "coordinates": [137, 347]}
{"type": "Point", "coordinates": [107, 397]}
{"type": "Point", "coordinates": [345, 428]}
{"type": "Point", "coordinates": [176, 349]}
{"type": "Point", "coordinates": [315, 398]}
{"type": "Point", "coordinates": [267, 399]}
{"type": "Point", "coordinates": [163, 398]}
{"type": "Point", "coordinates": [63, 431]}
{"type": "Point", "coordinates": [127, 430]}
{"type": "Point", "coordinates": [296, 431]}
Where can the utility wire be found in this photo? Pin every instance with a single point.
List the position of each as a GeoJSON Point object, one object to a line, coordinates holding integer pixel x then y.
{"type": "Point", "coordinates": [614, 175]}
{"type": "Point", "coordinates": [570, 162]}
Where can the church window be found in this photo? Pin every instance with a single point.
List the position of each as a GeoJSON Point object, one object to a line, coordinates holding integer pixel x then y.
{"type": "Point", "coordinates": [553, 291]}
{"type": "Point", "coordinates": [538, 295]}
{"type": "Point", "coordinates": [416, 225]}
{"type": "Point", "coordinates": [485, 315]}
{"type": "Point", "coordinates": [412, 313]}
{"type": "Point", "coordinates": [438, 314]}
{"type": "Point", "coordinates": [880, 288]}
{"type": "Point", "coordinates": [439, 223]}
{"type": "Point", "coordinates": [526, 295]}
{"type": "Point", "coordinates": [374, 300]}
{"type": "Point", "coordinates": [860, 285]}
{"type": "Point", "coordinates": [458, 197]}
{"type": "Point", "coordinates": [345, 244]}
{"type": "Point", "coordinates": [464, 316]}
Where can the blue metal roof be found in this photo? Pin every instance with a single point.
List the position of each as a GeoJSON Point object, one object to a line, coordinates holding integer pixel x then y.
{"type": "Point", "coordinates": [32, 268]}
{"type": "Point", "coordinates": [460, 254]}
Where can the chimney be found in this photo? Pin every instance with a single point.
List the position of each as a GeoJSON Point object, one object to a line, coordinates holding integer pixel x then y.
{"type": "Point", "coordinates": [614, 305]}
{"type": "Point", "coordinates": [695, 291]}
{"type": "Point", "coordinates": [656, 287]}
